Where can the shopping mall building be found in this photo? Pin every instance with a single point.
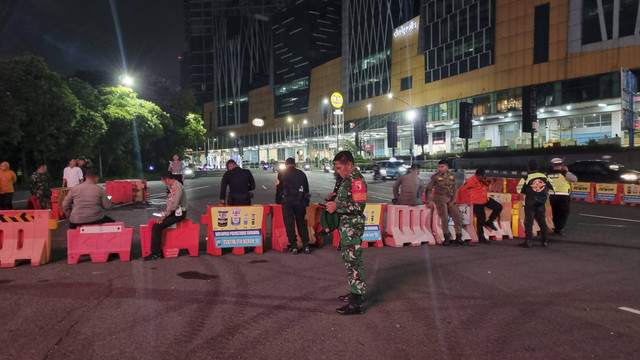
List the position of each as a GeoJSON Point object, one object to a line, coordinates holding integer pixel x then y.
{"type": "Point", "coordinates": [483, 52]}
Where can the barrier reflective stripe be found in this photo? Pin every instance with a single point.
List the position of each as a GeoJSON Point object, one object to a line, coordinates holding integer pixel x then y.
{"type": "Point", "coordinates": [98, 241]}
{"type": "Point", "coordinates": [182, 235]}
{"type": "Point", "coordinates": [21, 217]}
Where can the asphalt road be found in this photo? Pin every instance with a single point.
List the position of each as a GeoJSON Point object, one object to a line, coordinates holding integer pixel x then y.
{"type": "Point", "coordinates": [495, 301]}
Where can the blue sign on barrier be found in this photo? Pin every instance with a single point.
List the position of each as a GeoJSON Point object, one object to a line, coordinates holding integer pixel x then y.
{"type": "Point", "coordinates": [372, 233]}
{"type": "Point", "coordinates": [238, 238]}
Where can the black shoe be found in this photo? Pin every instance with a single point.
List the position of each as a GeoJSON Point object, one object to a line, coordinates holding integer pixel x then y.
{"type": "Point", "coordinates": [459, 240]}
{"type": "Point", "coordinates": [348, 297]}
{"type": "Point", "coordinates": [306, 250]}
{"type": "Point", "coordinates": [485, 241]}
{"type": "Point", "coordinates": [491, 225]}
{"type": "Point", "coordinates": [152, 257]}
{"type": "Point", "coordinates": [355, 306]}
{"type": "Point", "coordinates": [293, 251]}
{"type": "Point", "coordinates": [447, 239]}
{"type": "Point", "coordinates": [321, 233]}
{"type": "Point", "coordinates": [526, 244]}
{"type": "Point", "coordinates": [560, 233]}
{"type": "Point", "coordinates": [545, 243]}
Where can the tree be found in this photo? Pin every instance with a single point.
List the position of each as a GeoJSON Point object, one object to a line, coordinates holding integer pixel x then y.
{"type": "Point", "coordinates": [39, 109]}
{"type": "Point", "coordinates": [89, 126]}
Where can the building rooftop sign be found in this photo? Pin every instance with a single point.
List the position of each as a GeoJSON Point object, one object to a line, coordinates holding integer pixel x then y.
{"type": "Point", "coordinates": [406, 28]}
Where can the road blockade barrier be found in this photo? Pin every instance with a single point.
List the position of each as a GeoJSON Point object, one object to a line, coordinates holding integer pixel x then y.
{"type": "Point", "coordinates": [140, 189]}
{"type": "Point", "coordinates": [98, 241]}
{"type": "Point", "coordinates": [630, 195]}
{"type": "Point", "coordinates": [236, 227]}
{"type": "Point", "coordinates": [181, 235]}
{"type": "Point", "coordinates": [25, 235]}
{"type": "Point", "coordinates": [468, 231]}
{"type": "Point", "coordinates": [511, 186]}
{"type": "Point", "coordinates": [496, 185]}
{"type": "Point", "coordinates": [373, 225]}
{"type": "Point", "coordinates": [57, 198]}
{"type": "Point", "coordinates": [607, 193]}
{"type": "Point", "coordinates": [518, 220]}
{"type": "Point", "coordinates": [279, 238]}
{"type": "Point", "coordinates": [408, 225]}
{"type": "Point", "coordinates": [503, 223]}
{"type": "Point", "coordinates": [582, 191]}
{"type": "Point", "coordinates": [121, 191]}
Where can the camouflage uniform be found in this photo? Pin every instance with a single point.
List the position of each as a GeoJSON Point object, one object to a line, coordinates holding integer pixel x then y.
{"type": "Point", "coordinates": [351, 229]}
{"type": "Point", "coordinates": [445, 192]}
{"type": "Point", "coordinates": [41, 182]}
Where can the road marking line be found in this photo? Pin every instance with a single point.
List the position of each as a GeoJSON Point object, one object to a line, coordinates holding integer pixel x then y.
{"type": "Point", "coordinates": [201, 187]}
{"type": "Point", "coordinates": [611, 218]}
{"type": "Point", "coordinates": [630, 310]}
{"type": "Point", "coordinates": [610, 225]}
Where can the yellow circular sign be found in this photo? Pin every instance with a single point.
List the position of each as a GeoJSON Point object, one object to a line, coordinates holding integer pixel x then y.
{"type": "Point", "coordinates": [336, 100]}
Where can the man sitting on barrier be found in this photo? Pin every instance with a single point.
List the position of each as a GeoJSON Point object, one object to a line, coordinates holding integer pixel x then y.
{"type": "Point", "coordinates": [176, 211]}
{"type": "Point", "coordinates": [480, 199]}
{"type": "Point", "coordinates": [411, 188]}
{"type": "Point", "coordinates": [240, 182]}
{"type": "Point", "coordinates": [444, 184]}
{"type": "Point", "coordinates": [85, 203]}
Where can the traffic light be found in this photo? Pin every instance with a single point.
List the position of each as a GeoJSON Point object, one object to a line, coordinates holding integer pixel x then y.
{"type": "Point", "coordinates": [466, 115]}
{"type": "Point", "coordinates": [420, 135]}
{"type": "Point", "coordinates": [392, 134]}
{"type": "Point", "coordinates": [529, 109]}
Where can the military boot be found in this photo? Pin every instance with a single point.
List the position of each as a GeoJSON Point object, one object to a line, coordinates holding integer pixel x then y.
{"type": "Point", "coordinates": [447, 239]}
{"type": "Point", "coordinates": [355, 306]}
{"type": "Point", "coordinates": [459, 240]}
{"type": "Point", "coordinates": [545, 243]}
{"type": "Point", "coordinates": [526, 244]}
{"type": "Point", "coordinates": [348, 297]}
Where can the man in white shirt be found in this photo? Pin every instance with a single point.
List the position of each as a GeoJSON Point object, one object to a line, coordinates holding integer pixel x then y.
{"type": "Point", "coordinates": [72, 175]}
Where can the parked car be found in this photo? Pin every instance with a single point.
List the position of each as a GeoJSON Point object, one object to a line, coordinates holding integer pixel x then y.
{"type": "Point", "coordinates": [189, 173]}
{"type": "Point", "coordinates": [603, 171]}
{"type": "Point", "coordinates": [393, 169]}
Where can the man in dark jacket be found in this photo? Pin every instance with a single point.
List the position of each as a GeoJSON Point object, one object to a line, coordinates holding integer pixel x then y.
{"type": "Point", "coordinates": [535, 187]}
{"type": "Point", "coordinates": [292, 191]}
{"type": "Point", "coordinates": [240, 182]}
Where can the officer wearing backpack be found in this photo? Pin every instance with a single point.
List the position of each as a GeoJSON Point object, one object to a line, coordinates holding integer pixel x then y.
{"type": "Point", "coordinates": [292, 191]}
{"type": "Point", "coordinates": [535, 186]}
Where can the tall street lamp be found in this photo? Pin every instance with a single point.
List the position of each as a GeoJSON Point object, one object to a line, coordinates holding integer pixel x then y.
{"type": "Point", "coordinates": [128, 82]}
{"type": "Point", "coordinates": [411, 116]}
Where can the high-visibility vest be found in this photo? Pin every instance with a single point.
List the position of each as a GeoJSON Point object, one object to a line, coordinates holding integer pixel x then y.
{"type": "Point", "coordinates": [561, 185]}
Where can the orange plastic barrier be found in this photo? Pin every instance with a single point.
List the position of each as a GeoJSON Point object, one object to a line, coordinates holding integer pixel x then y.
{"type": "Point", "coordinates": [582, 191]}
{"type": "Point", "coordinates": [496, 185]}
{"type": "Point", "coordinates": [408, 225]}
{"type": "Point", "coordinates": [518, 220]}
{"type": "Point", "coordinates": [121, 191]}
{"type": "Point", "coordinates": [503, 223]}
{"type": "Point", "coordinates": [468, 231]}
{"type": "Point", "coordinates": [24, 235]}
{"type": "Point", "coordinates": [98, 241]}
{"type": "Point", "coordinates": [182, 235]}
{"type": "Point", "coordinates": [33, 203]}
{"type": "Point", "coordinates": [236, 227]}
{"type": "Point", "coordinates": [607, 193]}
{"type": "Point", "coordinates": [279, 239]}
{"type": "Point", "coordinates": [630, 195]}
{"type": "Point", "coordinates": [57, 197]}
{"type": "Point", "coordinates": [511, 186]}
{"type": "Point", "coordinates": [140, 189]}
{"type": "Point", "coordinates": [373, 226]}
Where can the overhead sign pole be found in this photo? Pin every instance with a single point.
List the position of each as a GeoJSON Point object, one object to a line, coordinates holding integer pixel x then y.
{"type": "Point", "coordinates": [629, 88]}
{"type": "Point", "coordinates": [336, 101]}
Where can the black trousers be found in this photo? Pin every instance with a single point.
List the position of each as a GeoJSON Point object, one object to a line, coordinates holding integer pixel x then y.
{"type": "Point", "coordinates": [560, 206]}
{"type": "Point", "coordinates": [478, 209]}
{"type": "Point", "coordinates": [105, 219]}
{"type": "Point", "coordinates": [534, 210]}
{"type": "Point", "coordinates": [156, 231]}
{"type": "Point", "coordinates": [6, 201]}
{"type": "Point", "coordinates": [293, 214]}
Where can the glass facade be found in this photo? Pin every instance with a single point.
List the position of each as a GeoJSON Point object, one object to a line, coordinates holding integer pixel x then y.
{"type": "Point", "coordinates": [593, 20]}
{"type": "Point", "coordinates": [458, 36]}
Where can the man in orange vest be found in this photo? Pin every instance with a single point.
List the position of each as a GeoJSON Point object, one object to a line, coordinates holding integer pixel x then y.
{"type": "Point", "coordinates": [479, 198]}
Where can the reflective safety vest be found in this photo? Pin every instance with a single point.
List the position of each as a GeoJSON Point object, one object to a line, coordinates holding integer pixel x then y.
{"type": "Point", "coordinates": [561, 185]}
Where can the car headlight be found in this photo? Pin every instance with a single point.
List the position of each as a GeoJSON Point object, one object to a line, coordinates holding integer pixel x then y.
{"type": "Point", "coordinates": [629, 177]}
{"type": "Point", "coordinates": [281, 166]}
{"type": "Point", "coordinates": [188, 172]}
{"type": "Point", "coordinates": [383, 172]}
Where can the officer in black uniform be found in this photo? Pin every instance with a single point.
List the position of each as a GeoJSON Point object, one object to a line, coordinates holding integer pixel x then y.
{"type": "Point", "coordinates": [240, 182]}
{"type": "Point", "coordinates": [535, 187]}
{"type": "Point", "coordinates": [292, 191]}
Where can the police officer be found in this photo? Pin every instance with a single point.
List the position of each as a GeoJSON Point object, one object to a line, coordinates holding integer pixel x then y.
{"type": "Point", "coordinates": [350, 202]}
{"type": "Point", "coordinates": [411, 187]}
{"type": "Point", "coordinates": [444, 184]}
{"type": "Point", "coordinates": [292, 191]}
{"type": "Point", "coordinates": [240, 182]}
{"type": "Point", "coordinates": [535, 186]}
{"type": "Point", "coordinates": [559, 198]}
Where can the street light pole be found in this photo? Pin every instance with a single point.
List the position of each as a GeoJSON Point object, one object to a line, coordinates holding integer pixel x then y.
{"type": "Point", "coordinates": [411, 115]}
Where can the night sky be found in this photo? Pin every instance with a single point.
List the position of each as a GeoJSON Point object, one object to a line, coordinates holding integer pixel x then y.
{"type": "Point", "coordinates": [81, 35]}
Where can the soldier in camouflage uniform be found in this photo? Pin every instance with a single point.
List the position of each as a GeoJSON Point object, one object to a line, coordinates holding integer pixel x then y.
{"type": "Point", "coordinates": [40, 187]}
{"type": "Point", "coordinates": [444, 196]}
{"type": "Point", "coordinates": [350, 202]}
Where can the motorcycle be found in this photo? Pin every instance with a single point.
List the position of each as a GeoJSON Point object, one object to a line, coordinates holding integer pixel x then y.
{"type": "Point", "coordinates": [379, 175]}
